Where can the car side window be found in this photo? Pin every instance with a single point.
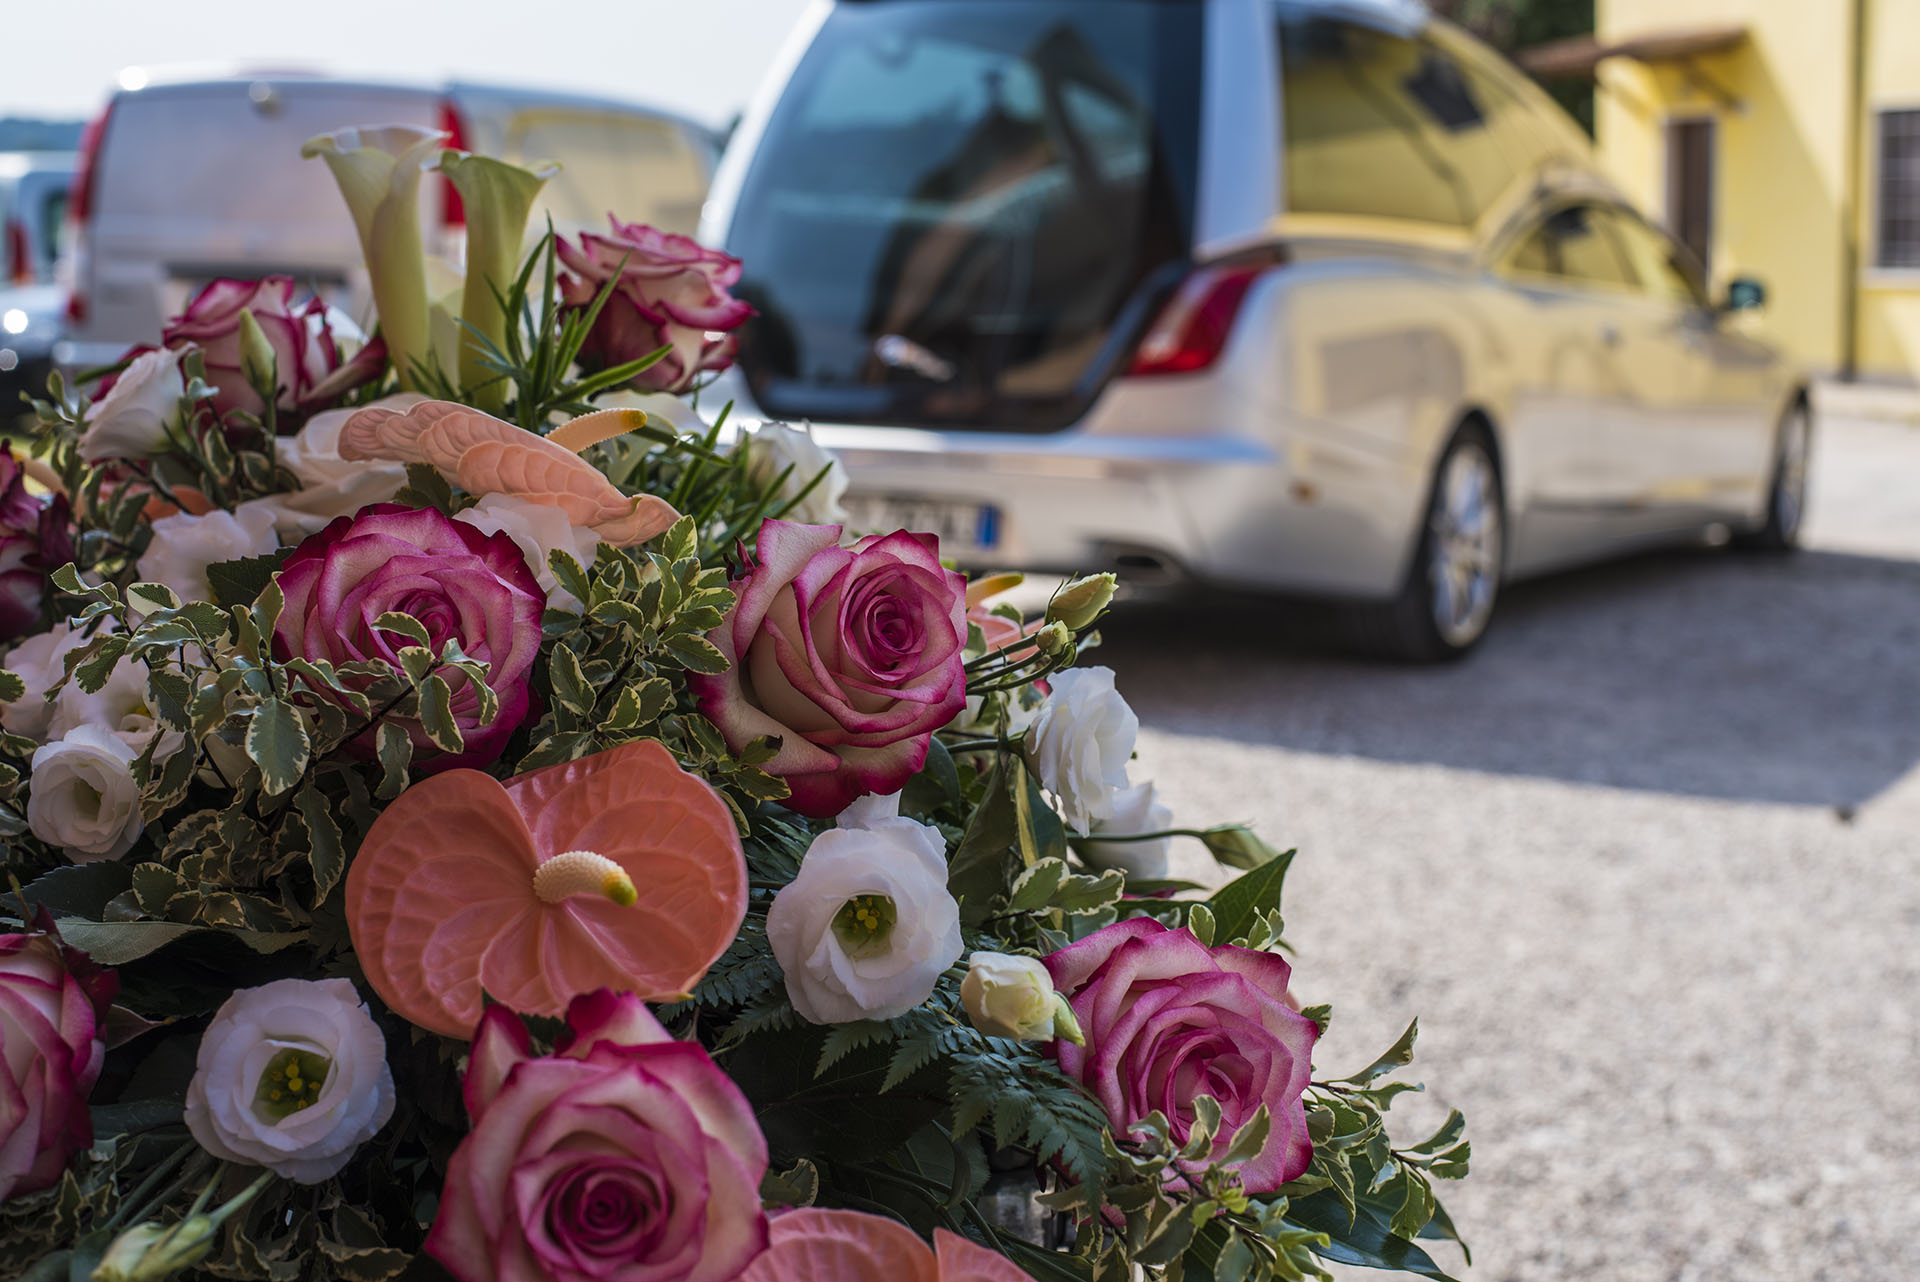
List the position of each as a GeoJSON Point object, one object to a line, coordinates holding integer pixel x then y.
{"type": "Point", "coordinates": [1662, 267]}
{"type": "Point", "coordinates": [1575, 245]}
{"type": "Point", "coordinates": [1381, 125]}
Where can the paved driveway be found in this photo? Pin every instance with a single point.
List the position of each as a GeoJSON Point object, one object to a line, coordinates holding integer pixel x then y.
{"type": "Point", "coordinates": [1648, 869]}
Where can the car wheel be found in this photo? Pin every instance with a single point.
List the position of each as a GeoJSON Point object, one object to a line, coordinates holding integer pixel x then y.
{"type": "Point", "coordinates": [1446, 602]}
{"type": "Point", "coordinates": [1787, 491]}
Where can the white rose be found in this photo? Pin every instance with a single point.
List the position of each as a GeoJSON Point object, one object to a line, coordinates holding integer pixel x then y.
{"type": "Point", "coordinates": [291, 1076]}
{"type": "Point", "coordinates": [39, 661]}
{"type": "Point", "coordinates": [120, 707]}
{"type": "Point", "coordinates": [1135, 810]}
{"type": "Point", "coordinates": [184, 546]}
{"type": "Point", "coordinates": [331, 486]}
{"type": "Point", "coordinates": [132, 419]}
{"type": "Point", "coordinates": [868, 926]}
{"type": "Point", "coordinates": [1080, 742]}
{"type": "Point", "coordinates": [1009, 996]}
{"type": "Point", "coordinates": [772, 447]}
{"type": "Point", "coordinates": [84, 799]}
{"type": "Point", "coordinates": [538, 528]}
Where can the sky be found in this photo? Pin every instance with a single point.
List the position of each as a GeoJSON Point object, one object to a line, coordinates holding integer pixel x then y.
{"type": "Point", "coordinates": [700, 57]}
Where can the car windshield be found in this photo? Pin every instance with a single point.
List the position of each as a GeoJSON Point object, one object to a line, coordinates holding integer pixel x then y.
{"type": "Point", "coordinates": [958, 207]}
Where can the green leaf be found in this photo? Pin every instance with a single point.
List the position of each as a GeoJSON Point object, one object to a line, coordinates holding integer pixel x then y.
{"type": "Point", "coordinates": [325, 852]}
{"type": "Point", "coordinates": [1237, 905]}
{"type": "Point", "coordinates": [695, 653]}
{"type": "Point", "coordinates": [416, 662]}
{"type": "Point", "coordinates": [1450, 1131]}
{"type": "Point", "coordinates": [571, 689]}
{"type": "Point", "coordinates": [436, 715]}
{"type": "Point", "coordinates": [170, 694]}
{"type": "Point", "coordinates": [569, 573]}
{"type": "Point", "coordinates": [115, 943]}
{"type": "Point", "coordinates": [395, 750]}
{"type": "Point", "coordinates": [987, 850]}
{"type": "Point", "coordinates": [12, 687]}
{"type": "Point", "coordinates": [404, 624]}
{"type": "Point", "coordinates": [1416, 1208]}
{"type": "Point", "coordinates": [935, 787]}
{"type": "Point", "coordinates": [1396, 1056]}
{"type": "Point", "coordinates": [1366, 1240]}
{"type": "Point", "coordinates": [1034, 888]}
{"type": "Point", "coordinates": [91, 673]}
{"type": "Point", "coordinates": [277, 743]}
{"type": "Point", "coordinates": [240, 583]}
{"type": "Point", "coordinates": [1200, 922]}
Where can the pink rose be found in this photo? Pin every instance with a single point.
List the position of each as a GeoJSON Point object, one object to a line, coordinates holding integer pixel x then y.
{"type": "Point", "coordinates": [853, 657]}
{"type": "Point", "coordinates": [671, 291]}
{"type": "Point", "coordinates": [36, 538]}
{"type": "Point", "coordinates": [626, 1156]}
{"type": "Point", "coordinates": [813, 1245]}
{"type": "Point", "coordinates": [1166, 1018]}
{"type": "Point", "coordinates": [311, 370]}
{"type": "Point", "coordinates": [458, 583]}
{"type": "Point", "coordinates": [52, 1000]}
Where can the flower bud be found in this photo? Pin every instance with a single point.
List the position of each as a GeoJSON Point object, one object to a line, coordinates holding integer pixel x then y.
{"type": "Point", "coordinates": [148, 1252]}
{"type": "Point", "coordinates": [1008, 996]}
{"type": "Point", "coordinates": [1080, 602]}
{"type": "Point", "coordinates": [1052, 639]}
{"type": "Point", "coordinates": [257, 359]}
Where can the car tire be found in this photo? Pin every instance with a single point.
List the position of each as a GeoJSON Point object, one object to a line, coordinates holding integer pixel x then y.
{"type": "Point", "coordinates": [1447, 598]}
{"type": "Point", "coordinates": [1779, 533]}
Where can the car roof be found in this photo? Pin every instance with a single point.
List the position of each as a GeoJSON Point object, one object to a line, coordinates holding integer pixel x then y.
{"type": "Point", "coordinates": [186, 78]}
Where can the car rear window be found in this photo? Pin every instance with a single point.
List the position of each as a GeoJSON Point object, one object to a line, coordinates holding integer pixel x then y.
{"type": "Point", "coordinates": [957, 205]}
{"type": "Point", "coordinates": [1387, 125]}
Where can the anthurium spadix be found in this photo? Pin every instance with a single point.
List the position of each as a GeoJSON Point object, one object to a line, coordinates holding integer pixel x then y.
{"type": "Point", "coordinates": [498, 198]}
{"type": "Point", "coordinates": [378, 170]}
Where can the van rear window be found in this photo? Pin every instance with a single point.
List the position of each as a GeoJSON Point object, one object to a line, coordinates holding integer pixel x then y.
{"type": "Point", "coordinates": [955, 202]}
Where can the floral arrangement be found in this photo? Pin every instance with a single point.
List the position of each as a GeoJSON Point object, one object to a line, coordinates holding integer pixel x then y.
{"type": "Point", "coordinates": [465, 816]}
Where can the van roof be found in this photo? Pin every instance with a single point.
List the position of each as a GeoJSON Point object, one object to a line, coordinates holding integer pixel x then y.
{"type": "Point", "coordinates": [181, 78]}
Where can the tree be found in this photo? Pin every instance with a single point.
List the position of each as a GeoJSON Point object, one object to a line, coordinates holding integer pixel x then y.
{"type": "Point", "coordinates": [1512, 25]}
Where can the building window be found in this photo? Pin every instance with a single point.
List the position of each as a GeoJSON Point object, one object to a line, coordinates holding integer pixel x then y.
{"type": "Point", "coordinates": [1690, 186]}
{"type": "Point", "coordinates": [1899, 239]}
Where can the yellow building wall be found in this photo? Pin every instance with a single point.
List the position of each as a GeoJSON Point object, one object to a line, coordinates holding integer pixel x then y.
{"type": "Point", "coordinates": [1889, 299]}
{"type": "Point", "coordinates": [1779, 159]}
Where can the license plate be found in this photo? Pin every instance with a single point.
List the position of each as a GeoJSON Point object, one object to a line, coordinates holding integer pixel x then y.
{"type": "Point", "coordinates": [961, 527]}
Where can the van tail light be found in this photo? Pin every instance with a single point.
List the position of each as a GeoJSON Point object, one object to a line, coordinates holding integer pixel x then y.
{"type": "Point", "coordinates": [1193, 328]}
{"type": "Point", "coordinates": [453, 213]}
{"type": "Point", "coordinates": [80, 205]}
{"type": "Point", "coordinates": [19, 259]}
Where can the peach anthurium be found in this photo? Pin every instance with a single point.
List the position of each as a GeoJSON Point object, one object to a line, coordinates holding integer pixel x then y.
{"type": "Point", "coordinates": [485, 455]}
{"type": "Point", "coordinates": [527, 890]}
{"type": "Point", "coordinates": [855, 1246]}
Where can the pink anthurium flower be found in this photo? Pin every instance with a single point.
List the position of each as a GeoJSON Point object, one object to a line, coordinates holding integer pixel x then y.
{"type": "Point", "coordinates": [619, 871]}
{"type": "Point", "coordinates": [853, 1246]}
{"type": "Point", "coordinates": [484, 455]}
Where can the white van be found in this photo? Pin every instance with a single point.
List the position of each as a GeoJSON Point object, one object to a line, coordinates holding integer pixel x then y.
{"type": "Point", "coordinates": [182, 182]}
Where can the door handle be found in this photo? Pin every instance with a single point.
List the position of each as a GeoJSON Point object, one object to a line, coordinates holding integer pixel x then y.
{"type": "Point", "coordinates": [1610, 335]}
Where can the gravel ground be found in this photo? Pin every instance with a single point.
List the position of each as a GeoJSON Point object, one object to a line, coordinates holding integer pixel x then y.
{"type": "Point", "coordinates": [1645, 867]}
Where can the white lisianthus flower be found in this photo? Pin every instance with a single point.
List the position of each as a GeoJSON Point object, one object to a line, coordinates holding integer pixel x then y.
{"type": "Point", "coordinates": [1009, 996]}
{"type": "Point", "coordinates": [538, 528]}
{"type": "Point", "coordinates": [1080, 742]}
{"type": "Point", "coordinates": [291, 1076]}
{"type": "Point", "coordinates": [331, 486]}
{"type": "Point", "coordinates": [131, 420]}
{"type": "Point", "coordinates": [84, 798]}
{"type": "Point", "coordinates": [870, 811]}
{"type": "Point", "coordinates": [1135, 810]}
{"type": "Point", "coordinates": [39, 661]}
{"type": "Point", "coordinates": [184, 546]}
{"type": "Point", "coordinates": [772, 447]}
{"type": "Point", "coordinates": [866, 928]}
{"type": "Point", "coordinates": [120, 707]}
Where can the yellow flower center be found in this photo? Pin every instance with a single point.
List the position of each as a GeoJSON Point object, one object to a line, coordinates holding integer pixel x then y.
{"type": "Point", "coordinates": [582, 872]}
{"type": "Point", "coordinates": [864, 924]}
{"type": "Point", "coordinates": [292, 1080]}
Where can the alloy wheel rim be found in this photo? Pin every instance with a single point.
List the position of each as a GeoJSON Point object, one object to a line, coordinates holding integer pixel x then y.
{"type": "Point", "coordinates": [1790, 486]}
{"type": "Point", "coordinates": [1463, 571]}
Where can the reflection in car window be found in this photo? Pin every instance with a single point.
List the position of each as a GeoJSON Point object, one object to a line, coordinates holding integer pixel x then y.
{"type": "Point", "coordinates": [955, 199]}
{"type": "Point", "coordinates": [1663, 268]}
{"type": "Point", "coordinates": [1574, 244]}
{"type": "Point", "coordinates": [1377, 124]}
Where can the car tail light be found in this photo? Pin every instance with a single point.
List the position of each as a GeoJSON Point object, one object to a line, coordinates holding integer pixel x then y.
{"type": "Point", "coordinates": [19, 259]}
{"type": "Point", "coordinates": [1192, 329]}
{"type": "Point", "coordinates": [80, 206]}
{"type": "Point", "coordinates": [453, 214]}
